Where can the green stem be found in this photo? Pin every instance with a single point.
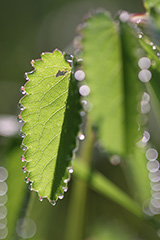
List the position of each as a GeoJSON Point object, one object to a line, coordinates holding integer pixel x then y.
{"type": "Point", "coordinates": [28, 209]}
{"type": "Point", "coordinates": [104, 186]}
{"type": "Point", "coordinates": [76, 212]}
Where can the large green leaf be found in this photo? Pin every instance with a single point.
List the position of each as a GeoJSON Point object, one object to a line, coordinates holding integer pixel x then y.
{"type": "Point", "coordinates": [110, 64]}
{"type": "Point", "coordinates": [51, 115]}
{"type": "Point", "coordinates": [111, 71]}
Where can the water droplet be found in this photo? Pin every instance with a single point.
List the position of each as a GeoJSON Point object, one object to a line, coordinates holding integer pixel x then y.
{"type": "Point", "coordinates": [154, 210]}
{"type": "Point", "coordinates": [65, 189]}
{"type": "Point", "coordinates": [70, 170]}
{"type": "Point", "coordinates": [145, 75]}
{"type": "Point", "coordinates": [84, 90]}
{"type": "Point", "coordinates": [61, 196]}
{"type": "Point", "coordinates": [156, 195]}
{"type": "Point", "coordinates": [146, 137]}
{"type": "Point", "coordinates": [3, 174]}
{"type": "Point", "coordinates": [145, 107]}
{"type": "Point", "coordinates": [144, 63]}
{"type": "Point", "coordinates": [22, 90]}
{"type": "Point", "coordinates": [79, 75]}
{"type": "Point", "coordinates": [81, 136]}
{"type": "Point", "coordinates": [3, 199]}
{"type": "Point", "coordinates": [154, 176]}
{"type": "Point", "coordinates": [22, 158]}
{"type": "Point", "coordinates": [84, 102]}
{"type": "Point", "coordinates": [154, 47]}
{"type": "Point", "coordinates": [151, 154]}
{"type": "Point", "coordinates": [26, 76]}
{"type": "Point", "coordinates": [115, 160]}
{"type": "Point", "coordinates": [26, 227]}
{"type": "Point", "coordinates": [155, 203]}
{"type": "Point", "coordinates": [146, 209]}
{"type": "Point", "coordinates": [153, 166]}
{"type": "Point", "coordinates": [24, 169]}
{"type": "Point", "coordinates": [20, 106]}
{"type": "Point", "coordinates": [140, 36]}
{"type": "Point", "coordinates": [124, 16]}
{"type": "Point", "coordinates": [3, 188]}
{"type": "Point", "coordinates": [82, 113]}
{"type": "Point", "coordinates": [3, 223]}
{"type": "Point", "coordinates": [40, 199]}
{"type": "Point", "coordinates": [23, 147]}
{"type": "Point", "coordinates": [66, 180]}
{"type": "Point", "coordinates": [155, 186]}
{"type": "Point", "coordinates": [87, 106]}
{"type": "Point", "coordinates": [30, 186]}
{"type": "Point", "coordinates": [151, 43]}
{"type": "Point", "coordinates": [3, 233]}
{"type": "Point", "coordinates": [158, 54]}
{"type": "Point", "coordinates": [26, 179]}
{"type": "Point", "coordinates": [3, 212]}
{"type": "Point", "coordinates": [19, 118]}
{"type": "Point", "coordinates": [146, 97]}
{"type": "Point", "coordinates": [53, 202]}
{"type": "Point", "coordinates": [22, 134]}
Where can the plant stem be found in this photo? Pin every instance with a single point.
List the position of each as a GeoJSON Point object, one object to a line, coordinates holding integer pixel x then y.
{"type": "Point", "coordinates": [76, 213]}
{"type": "Point", "coordinates": [105, 187]}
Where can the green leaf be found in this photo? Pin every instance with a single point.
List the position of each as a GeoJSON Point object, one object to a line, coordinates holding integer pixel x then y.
{"type": "Point", "coordinates": [110, 64]}
{"type": "Point", "coordinates": [51, 115]}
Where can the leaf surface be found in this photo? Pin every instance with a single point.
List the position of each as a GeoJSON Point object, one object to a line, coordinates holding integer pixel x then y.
{"type": "Point", "coordinates": [111, 67]}
{"type": "Point", "coordinates": [111, 72]}
{"type": "Point", "coordinates": [51, 115]}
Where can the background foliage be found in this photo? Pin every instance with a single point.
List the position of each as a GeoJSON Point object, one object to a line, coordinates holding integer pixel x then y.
{"type": "Point", "coordinates": [28, 28]}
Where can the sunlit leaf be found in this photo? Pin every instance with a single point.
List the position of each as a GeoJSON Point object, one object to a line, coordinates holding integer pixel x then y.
{"type": "Point", "coordinates": [111, 67]}
{"type": "Point", "coordinates": [51, 115]}
{"type": "Point", "coordinates": [110, 64]}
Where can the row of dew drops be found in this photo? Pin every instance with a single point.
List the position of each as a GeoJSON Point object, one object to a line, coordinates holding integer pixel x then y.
{"type": "Point", "coordinates": [84, 91]}
{"type": "Point", "coordinates": [152, 206]}
{"type": "Point", "coordinates": [3, 201]}
{"type": "Point", "coordinates": [25, 228]}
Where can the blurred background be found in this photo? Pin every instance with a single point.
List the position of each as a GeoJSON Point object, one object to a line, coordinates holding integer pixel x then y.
{"type": "Point", "coordinates": [28, 28]}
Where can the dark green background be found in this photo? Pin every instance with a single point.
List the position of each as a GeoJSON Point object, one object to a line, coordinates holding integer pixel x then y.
{"type": "Point", "coordinates": [28, 28]}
